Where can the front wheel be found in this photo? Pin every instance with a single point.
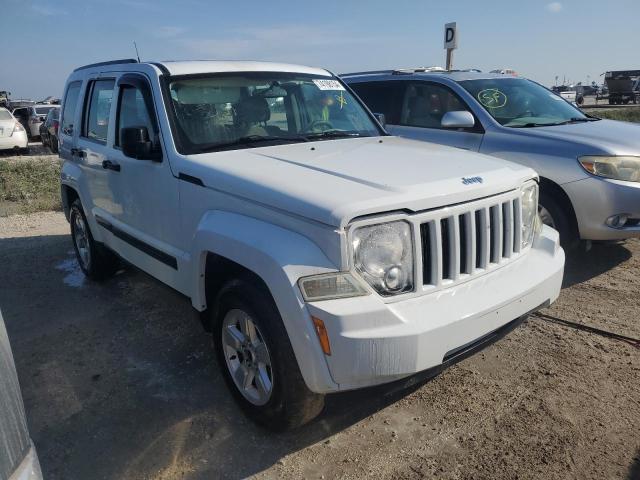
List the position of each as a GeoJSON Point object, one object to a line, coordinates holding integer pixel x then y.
{"type": "Point", "coordinates": [257, 360]}
{"type": "Point", "coordinates": [95, 260]}
{"type": "Point", "coordinates": [553, 215]}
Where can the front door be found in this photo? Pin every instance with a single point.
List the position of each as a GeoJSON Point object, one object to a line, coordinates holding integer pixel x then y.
{"type": "Point", "coordinates": [423, 105]}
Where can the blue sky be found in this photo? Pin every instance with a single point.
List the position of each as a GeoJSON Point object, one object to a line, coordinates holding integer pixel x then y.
{"type": "Point", "coordinates": [44, 40]}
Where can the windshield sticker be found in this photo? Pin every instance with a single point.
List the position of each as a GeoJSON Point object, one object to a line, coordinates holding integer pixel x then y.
{"type": "Point", "coordinates": [341, 100]}
{"type": "Point", "coordinates": [492, 98]}
{"type": "Point", "coordinates": [328, 84]}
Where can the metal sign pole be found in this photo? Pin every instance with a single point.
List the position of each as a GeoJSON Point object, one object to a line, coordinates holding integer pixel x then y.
{"type": "Point", "coordinates": [449, 59]}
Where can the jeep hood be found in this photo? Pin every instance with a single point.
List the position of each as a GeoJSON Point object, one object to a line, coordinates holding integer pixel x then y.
{"type": "Point", "coordinates": [334, 181]}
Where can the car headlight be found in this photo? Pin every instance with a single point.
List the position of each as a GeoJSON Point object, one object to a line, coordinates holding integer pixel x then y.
{"type": "Point", "coordinates": [383, 256]}
{"type": "Point", "coordinates": [622, 167]}
{"type": "Point", "coordinates": [530, 220]}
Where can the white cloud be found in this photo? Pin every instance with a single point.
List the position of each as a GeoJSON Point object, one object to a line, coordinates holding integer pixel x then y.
{"type": "Point", "coordinates": [295, 43]}
{"type": "Point", "coordinates": [554, 7]}
{"type": "Point", "coordinates": [168, 31]}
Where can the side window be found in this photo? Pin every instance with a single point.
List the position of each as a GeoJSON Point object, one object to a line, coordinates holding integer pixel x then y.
{"type": "Point", "coordinates": [69, 108]}
{"type": "Point", "coordinates": [424, 105]}
{"type": "Point", "coordinates": [381, 97]}
{"type": "Point", "coordinates": [97, 115]}
{"type": "Point", "coordinates": [133, 112]}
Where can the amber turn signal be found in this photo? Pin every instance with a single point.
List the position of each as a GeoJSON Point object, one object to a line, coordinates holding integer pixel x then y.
{"type": "Point", "coordinates": [321, 331]}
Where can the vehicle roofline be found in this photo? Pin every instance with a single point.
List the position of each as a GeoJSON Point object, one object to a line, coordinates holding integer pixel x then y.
{"type": "Point", "coordinates": [110, 62]}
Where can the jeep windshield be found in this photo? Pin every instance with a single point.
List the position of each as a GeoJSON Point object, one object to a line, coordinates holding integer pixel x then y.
{"type": "Point", "coordinates": [521, 103]}
{"type": "Point", "coordinates": [246, 110]}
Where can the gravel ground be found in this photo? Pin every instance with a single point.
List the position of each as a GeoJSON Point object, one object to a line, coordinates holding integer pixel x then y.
{"type": "Point", "coordinates": [119, 382]}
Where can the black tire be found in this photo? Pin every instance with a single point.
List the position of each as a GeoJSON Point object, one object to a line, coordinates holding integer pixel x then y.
{"type": "Point", "coordinates": [100, 263]}
{"type": "Point", "coordinates": [290, 403]}
{"type": "Point", "coordinates": [561, 220]}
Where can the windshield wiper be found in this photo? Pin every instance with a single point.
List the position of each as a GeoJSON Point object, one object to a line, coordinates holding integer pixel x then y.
{"type": "Point", "coordinates": [333, 134]}
{"type": "Point", "coordinates": [531, 124]}
{"type": "Point", "coordinates": [249, 140]}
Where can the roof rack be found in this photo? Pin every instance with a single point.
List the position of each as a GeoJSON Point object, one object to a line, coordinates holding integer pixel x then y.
{"type": "Point", "coordinates": [110, 62]}
{"type": "Point", "coordinates": [370, 72]}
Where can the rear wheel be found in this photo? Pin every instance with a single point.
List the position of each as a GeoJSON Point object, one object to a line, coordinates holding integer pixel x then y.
{"type": "Point", "coordinates": [94, 259]}
{"type": "Point", "coordinates": [257, 360]}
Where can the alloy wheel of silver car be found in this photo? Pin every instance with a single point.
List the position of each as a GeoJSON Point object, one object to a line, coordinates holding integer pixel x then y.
{"type": "Point", "coordinates": [247, 357]}
{"type": "Point", "coordinates": [81, 239]}
{"type": "Point", "coordinates": [546, 217]}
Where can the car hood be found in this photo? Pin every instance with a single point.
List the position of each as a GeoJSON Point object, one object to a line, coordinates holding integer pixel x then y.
{"type": "Point", "coordinates": [603, 136]}
{"type": "Point", "coordinates": [334, 181]}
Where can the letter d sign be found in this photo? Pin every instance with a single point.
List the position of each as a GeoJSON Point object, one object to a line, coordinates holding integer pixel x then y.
{"type": "Point", "coordinates": [450, 36]}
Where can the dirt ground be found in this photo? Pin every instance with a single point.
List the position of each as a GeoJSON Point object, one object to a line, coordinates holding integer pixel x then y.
{"type": "Point", "coordinates": [119, 382]}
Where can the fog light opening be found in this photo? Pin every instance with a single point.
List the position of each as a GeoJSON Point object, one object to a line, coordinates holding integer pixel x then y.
{"type": "Point", "coordinates": [617, 221]}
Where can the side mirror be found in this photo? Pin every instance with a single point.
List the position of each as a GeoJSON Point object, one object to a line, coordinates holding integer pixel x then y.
{"type": "Point", "coordinates": [136, 144]}
{"type": "Point", "coordinates": [381, 120]}
{"type": "Point", "coordinates": [458, 119]}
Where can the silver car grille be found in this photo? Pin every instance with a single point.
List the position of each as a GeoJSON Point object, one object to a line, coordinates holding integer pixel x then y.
{"type": "Point", "coordinates": [467, 240]}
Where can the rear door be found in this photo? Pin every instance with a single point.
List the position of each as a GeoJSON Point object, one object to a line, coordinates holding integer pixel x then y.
{"type": "Point", "coordinates": [91, 147]}
{"type": "Point", "coordinates": [70, 120]}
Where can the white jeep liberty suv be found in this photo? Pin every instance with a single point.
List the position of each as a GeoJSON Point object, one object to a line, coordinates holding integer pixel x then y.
{"type": "Point", "coordinates": [324, 254]}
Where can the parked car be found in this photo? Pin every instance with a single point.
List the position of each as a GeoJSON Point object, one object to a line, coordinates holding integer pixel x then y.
{"type": "Point", "coordinates": [589, 168]}
{"type": "Point", "coordinates": [18, 457]}
{"type": "Point", "coordinates": [49, 130]}
{"type": "Point", "coordinates": [32, 117]}
{"type": "Point", "coordinates": [4, 98]}
{"type": "Point", "coordinates": [505, 71]}
{"type": "Point", "coordinates": [323, 254]}
{"type": "Point", "coordinates": [13, 136]}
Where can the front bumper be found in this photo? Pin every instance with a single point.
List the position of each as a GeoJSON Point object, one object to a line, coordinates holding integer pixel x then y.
{"type": "Point", "coordinates": [596, 199]}
{"type": "Point", "coordinates": [373, 342]}
{"type": "Point", "coordinates": [16, 140]}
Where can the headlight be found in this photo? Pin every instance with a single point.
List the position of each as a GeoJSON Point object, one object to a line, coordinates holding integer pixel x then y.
{"type": "Point", "coordinates": [383, 255]}
{"type": "Point", "coordinates": [530, 220]}
{"type": "Point", "coordinates": [618, 168]}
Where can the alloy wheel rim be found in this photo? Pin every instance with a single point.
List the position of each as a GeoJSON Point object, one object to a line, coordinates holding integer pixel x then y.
{"type": "Point", "coordinates": [247, 357]}
{"type": "Point", "coordinates": [82, 241]}
{"type": "Point", "coordinates": [546, 217]}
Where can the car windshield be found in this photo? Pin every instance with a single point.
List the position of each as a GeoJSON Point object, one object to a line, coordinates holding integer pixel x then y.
{"type": "Point", "coordinates": [5, 115]}
{"type": "Point", "coordinates": [244, 110]}
{"type": "Point", "coordinates": [521, 103]}
{"type": "Point", "coordinates": [43, 110]}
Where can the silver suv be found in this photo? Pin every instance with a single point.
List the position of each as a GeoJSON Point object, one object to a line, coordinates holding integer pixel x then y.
{"type": "Point", "coordinates": [589, 168]}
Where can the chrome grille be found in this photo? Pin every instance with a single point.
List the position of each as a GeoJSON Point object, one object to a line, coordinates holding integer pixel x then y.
{"type": "Point", "coordinates": [467, 240]}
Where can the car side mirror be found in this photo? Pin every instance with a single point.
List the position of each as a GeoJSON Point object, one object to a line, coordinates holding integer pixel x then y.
{"type": "Point", "coordinates": [381, 119]}
{"type": "Point", "coordinates": [458, 119]}
{"type": "Point", "coordinates": [136, 144]}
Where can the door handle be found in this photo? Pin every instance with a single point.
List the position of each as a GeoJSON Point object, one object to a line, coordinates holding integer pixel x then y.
{"type": "Point", "coordinates": [76, 152]}
{"type": "Point", "coordinates": [109, 165]}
